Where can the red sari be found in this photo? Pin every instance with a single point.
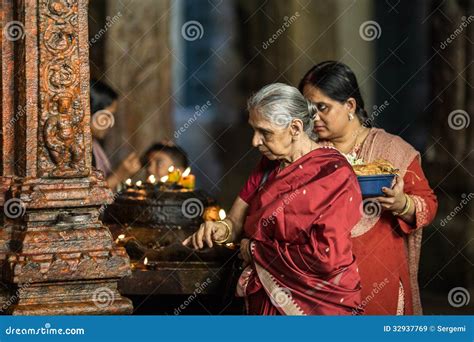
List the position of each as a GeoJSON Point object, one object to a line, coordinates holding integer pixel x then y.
{"type": "Point", "coordinates": [299, 223]}
{"type": "Point", "coordinates": [386, 247]}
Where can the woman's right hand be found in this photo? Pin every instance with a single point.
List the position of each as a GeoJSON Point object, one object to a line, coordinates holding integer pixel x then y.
{"type": "Point", "coordinates": [208, 232]}
{"type": "Point", "coordinates": [126, 169]}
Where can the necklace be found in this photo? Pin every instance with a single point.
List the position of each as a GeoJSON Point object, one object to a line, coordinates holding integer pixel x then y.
{"type": "Point", "coordinates": [353, 154]}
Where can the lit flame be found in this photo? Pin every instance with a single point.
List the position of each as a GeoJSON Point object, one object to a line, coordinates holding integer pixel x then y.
{"type": "Point", "coordinates": [121, 237]}
{"type": "Point", "coordinates": [139, 183]}
{"type": "Point", "coordinates": [128, 182]}
{"type": "Point", "coordinates": [186, 172]}
{"type": "Point", "coordinates": [145, 261]}
{"type": "Point", "coordinates": [164, 179]}
{"type": "Point", "coordinates": [222, 214]}
{"type": "Point", "coordinates": [152, 179]}
{"type": "Point", "coordinates": [171, 168]}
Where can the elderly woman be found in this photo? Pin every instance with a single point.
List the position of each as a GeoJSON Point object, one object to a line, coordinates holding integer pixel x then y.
{"type": "Point", "coordinates": [294, 231]}
{"type": "Point", "coordinates": [386, 242]}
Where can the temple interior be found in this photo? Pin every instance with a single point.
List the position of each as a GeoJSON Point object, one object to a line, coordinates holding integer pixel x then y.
{"type": "Point", "coordinates": [98, 200]}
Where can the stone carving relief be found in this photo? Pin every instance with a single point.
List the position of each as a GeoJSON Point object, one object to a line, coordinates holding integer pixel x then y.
{"type": "Point", "coordinates": [61, 125]}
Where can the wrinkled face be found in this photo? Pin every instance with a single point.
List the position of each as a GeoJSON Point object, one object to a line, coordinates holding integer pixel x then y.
{"type": "Point", "coordinates": [158, 164]}
{"type": "Point", "coordinates": [332, 119]}
{"type": "Point", "coordinates": [99, 131]}
{"type": "Point", "coordinates": [272, 140]}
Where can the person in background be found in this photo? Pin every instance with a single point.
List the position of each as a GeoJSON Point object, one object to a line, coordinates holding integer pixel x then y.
{"type": "Point", "coordinates": [104, 101]}
{"type": "Point", "coordinates": [160, 156]}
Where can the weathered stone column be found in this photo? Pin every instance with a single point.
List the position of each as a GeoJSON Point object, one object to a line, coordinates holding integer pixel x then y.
{"type": "Point", "coordinates": [58, 257]}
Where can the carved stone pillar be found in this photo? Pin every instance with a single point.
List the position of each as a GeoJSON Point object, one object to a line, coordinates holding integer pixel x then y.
{"type": "Point", "coordinates": [58, 257]}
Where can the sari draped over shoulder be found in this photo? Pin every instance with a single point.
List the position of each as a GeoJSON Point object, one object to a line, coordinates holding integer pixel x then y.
{"type": "Point", "coordinates": [387, 248]}
{"type": "Point", "coordinates": [299, 223]}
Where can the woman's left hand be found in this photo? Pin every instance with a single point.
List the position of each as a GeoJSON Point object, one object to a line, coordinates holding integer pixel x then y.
{"type": "Point", "coordinates": [245, 253]}
{"type": "Point", "coordinates": [395, 199]}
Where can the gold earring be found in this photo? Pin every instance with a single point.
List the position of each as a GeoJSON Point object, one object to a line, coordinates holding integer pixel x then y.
{"type": "Point", "coordinates": [351, 116]}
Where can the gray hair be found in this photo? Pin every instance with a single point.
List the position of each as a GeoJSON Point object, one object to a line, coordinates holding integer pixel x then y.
{"type": "Point", "coordinates": [281, 104]}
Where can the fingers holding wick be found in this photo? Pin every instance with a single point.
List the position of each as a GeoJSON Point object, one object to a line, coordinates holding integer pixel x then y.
{"type": "Point", "coordinates": [210, 233]}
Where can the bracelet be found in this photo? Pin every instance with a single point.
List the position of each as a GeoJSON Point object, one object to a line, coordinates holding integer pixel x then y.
{"type": "Point", "coordinates": [406, 208]}
{"type": "Point", "coordinates": [227, 235]}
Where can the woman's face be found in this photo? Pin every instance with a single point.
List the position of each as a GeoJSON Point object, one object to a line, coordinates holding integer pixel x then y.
{"type": "Point", "coordinates": [332, 119]}
{"type": "Point", "coordinates": [272, 140]}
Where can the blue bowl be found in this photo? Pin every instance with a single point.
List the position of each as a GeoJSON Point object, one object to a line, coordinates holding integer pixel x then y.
{"type": "Point", "coordinates": [371, 186]}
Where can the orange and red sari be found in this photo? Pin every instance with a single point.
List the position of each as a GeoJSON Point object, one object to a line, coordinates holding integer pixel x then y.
{"type": "Point", "coordinates": [387, 248]}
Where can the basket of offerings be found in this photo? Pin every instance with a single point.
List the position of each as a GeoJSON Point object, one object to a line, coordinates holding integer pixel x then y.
{"type": "Point", "coordinates": [374, 176]}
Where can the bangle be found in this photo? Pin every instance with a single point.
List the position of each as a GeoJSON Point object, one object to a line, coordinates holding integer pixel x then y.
{"type": "Point", "coordinates": [227, 235]}
{"type": "Point", "coordinates": [406, 208]}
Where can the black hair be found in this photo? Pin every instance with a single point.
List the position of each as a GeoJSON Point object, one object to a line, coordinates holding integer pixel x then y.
{"type": "Point", "coordinates": [102, 96]}
{"type": "Point", "coordinates": [176, 153]}
{"type": "Point", "coordinates": [337, 81]}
